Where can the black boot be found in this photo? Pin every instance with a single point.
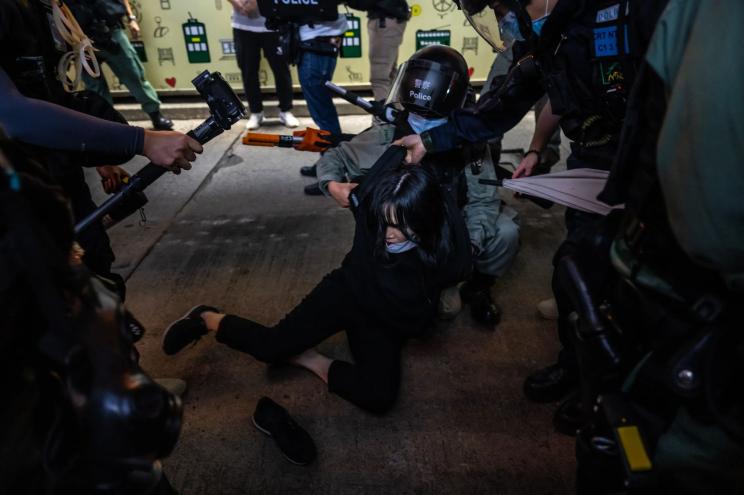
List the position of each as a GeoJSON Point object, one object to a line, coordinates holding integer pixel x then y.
{"type": "Point", "coordinates": [570, 416]}
{"type": "Point", "coordinates": [550, 384]}
{"type": "Point", "coordinates": [160, 122]}
{"type": "Point", "coordinates": [484, 310]}
{"type": "Point", "coordinates": [477, 293]}
{"type": "Point", "coordinates": [309, 171]}
{"type": "Point", "coordinates": [313, 189]}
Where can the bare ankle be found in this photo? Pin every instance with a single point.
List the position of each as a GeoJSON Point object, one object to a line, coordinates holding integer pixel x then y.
{"type": "Point", "coordinates": [212, 320]}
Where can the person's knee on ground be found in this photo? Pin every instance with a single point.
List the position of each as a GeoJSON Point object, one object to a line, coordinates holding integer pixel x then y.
{"type": "Point", "coordinates": [450, 303]}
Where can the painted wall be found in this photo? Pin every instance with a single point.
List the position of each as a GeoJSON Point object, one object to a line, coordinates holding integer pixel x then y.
{"type": "Point", "coordinates": [180, 38]}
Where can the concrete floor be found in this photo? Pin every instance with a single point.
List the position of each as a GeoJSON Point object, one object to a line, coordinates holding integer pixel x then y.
{"type": "Point", "coordinates": [238, 233]}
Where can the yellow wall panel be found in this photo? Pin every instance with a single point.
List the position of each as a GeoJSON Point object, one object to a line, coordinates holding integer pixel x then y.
{"type": "Point", "coordinates": [176, 53]}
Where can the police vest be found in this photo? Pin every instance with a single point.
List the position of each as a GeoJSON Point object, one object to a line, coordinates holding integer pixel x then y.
{"type": "Point", "coordinates": [31, 49]}
{"type": "Point", "coordinates": [590, 68]}
{"type": "Point", "coordinates": [278, 12]}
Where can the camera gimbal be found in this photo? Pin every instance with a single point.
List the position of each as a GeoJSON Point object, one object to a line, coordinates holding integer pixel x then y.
{"type": "Point", "coordinates": [225, 109]}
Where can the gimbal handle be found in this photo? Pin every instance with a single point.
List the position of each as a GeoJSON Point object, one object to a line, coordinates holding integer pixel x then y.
{"type": "Point", "coordinates": [226, 105]}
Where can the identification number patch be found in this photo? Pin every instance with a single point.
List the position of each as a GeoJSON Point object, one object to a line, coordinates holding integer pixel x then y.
{"type": "Point", "coordinates": [605, 41]}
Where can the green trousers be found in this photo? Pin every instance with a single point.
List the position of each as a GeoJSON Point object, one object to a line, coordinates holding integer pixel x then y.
{"type": "Point", "coordinates": [125, 64]}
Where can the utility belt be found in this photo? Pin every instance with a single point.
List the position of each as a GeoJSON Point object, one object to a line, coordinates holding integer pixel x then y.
{"type": "Point", "coordinates": [591, 131]}
{"type": "Point", "coordinates": [322, 45]}
{"type": "Point", "coordinates": [600, 157]}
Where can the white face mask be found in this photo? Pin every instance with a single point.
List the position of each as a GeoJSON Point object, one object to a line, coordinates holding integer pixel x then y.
{"type": "Point", "coordinates": [400, 247]}
{"type": "Point", "coordinates": [420, 124]}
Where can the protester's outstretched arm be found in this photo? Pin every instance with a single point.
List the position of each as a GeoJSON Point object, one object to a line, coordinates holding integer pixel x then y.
{"type": "Point", "coordinates": [546, 125]}
{"type": "Point", "coordinates": [47, 125]}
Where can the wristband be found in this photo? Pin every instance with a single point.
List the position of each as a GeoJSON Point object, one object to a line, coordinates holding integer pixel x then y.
{"type": "Point", "coordinates": [132, 18]}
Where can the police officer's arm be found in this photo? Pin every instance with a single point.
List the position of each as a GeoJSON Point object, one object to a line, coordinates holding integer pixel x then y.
{"type": "Point", "coordinates": [349, 159]}
{"type": "Point", "coordinates": [546, 125]}
{"type": "Point", "coordinates": [496, 112]}
{"type": "Point", "coordinates": [47, 125]}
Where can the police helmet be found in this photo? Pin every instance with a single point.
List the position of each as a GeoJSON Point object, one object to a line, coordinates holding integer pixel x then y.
{"type": "Point", "coordinates": [432, 83]}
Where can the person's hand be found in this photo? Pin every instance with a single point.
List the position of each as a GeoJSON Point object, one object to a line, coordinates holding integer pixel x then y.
{"type": "Point", "coordinates": [171, 149]}
{"type": "Point", "coordinates": [415, 147]}
{"type": "Point", "coordinates": [112, 177]}
{"type": "Point", "coordinates": [527, 165]}
{"type": "Point", "coordinates": [134, 28]}
{"type": "Point", "coordinates": [340, 192]}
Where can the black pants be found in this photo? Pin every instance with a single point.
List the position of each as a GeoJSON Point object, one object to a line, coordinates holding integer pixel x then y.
{"type": "Point", "coordinates": [248, 47]}
{"type": "Point", "coordinates": [371, 383]}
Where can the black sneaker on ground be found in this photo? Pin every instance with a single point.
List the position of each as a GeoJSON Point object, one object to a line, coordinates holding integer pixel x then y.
{"type": "Point", "coordinates": [160, 122]}
{"type": "Point", "coordinates": [550, 384]}
{"type": "Point", "coordinates": [313, 189]}
{"type": "Point", "coordinates": [309, 171]}
{"type": "Point", "coordinates": [294, 442]}
{"type": "Point", "coordinates": [186, 330]}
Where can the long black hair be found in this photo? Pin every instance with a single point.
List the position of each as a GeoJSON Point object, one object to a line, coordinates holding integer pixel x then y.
{"type": "Point", "coordinates": [410, 199]}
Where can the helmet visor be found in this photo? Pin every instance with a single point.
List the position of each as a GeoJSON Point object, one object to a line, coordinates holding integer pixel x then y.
{"type": "Point", "coordinates": [427, 88]}
{"type": "Point", "coordinates": [485, 22]}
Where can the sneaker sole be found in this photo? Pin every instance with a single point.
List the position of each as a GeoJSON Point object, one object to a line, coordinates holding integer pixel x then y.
{"type": "Point", "coordinates": [268, 433]}
{"type": "Point", "coordinates": [165, 334]}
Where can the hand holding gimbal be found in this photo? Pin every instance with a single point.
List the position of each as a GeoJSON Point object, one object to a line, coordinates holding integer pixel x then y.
{"type": "Point", "coordinates": [225, 109]}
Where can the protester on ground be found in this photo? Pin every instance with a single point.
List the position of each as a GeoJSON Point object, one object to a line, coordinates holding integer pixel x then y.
{"type": "Point", "coordinates": [407, 248]}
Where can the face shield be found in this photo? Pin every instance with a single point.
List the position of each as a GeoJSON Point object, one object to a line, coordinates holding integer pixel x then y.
{"type": "Point", "coordinates": [428, 89]}
{"type": "Point", "coordinates": [497, 22]}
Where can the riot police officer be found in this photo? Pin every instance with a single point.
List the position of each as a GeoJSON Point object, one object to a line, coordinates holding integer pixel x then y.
{"type": "Point", "coordinates": [585, 58]}
{"type": "Point", "coordinates": [67, 356]}
{"type": "Point", "coordinates": [672, 314]}
{"type": "Point", "coordinates": [429, 86]}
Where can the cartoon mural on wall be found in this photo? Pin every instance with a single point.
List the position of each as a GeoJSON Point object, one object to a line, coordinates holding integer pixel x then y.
{"type": "Point", "coordinates": [172, 60]}
{"type": "Point", "coordinates": [195, 37]}
{"type": "Point", "coordinates": [433, 37]}
{"type": "Point", "coordinates": [351, 44]}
